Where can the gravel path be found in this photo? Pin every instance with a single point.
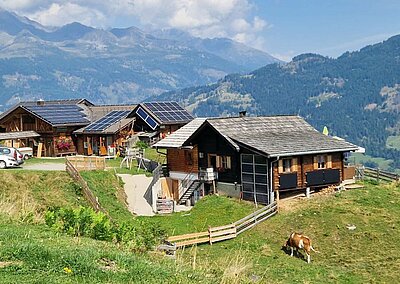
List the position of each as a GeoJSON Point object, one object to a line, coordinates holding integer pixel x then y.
{"type": "Point", "coordinates": [135, 186]}
{"type": "Point", "coordinates": [44, 167]}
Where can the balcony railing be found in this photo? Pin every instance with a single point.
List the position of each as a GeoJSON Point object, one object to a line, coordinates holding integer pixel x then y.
{"type": "Point", "coordinates": [208, 175]}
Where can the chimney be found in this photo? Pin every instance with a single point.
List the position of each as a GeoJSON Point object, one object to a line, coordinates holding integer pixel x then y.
{"type": "Point", "coordinates": [242, 113]}
{"type": "Point", "coordinates": [40, 102]}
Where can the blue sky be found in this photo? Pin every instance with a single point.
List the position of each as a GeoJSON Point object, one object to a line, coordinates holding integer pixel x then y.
{"type": "Point", "coordinates": [283, 28]}
{"type": "Point", "coordinates": [327, 27]}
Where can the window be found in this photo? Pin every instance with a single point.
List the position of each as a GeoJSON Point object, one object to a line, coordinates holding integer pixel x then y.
{"type": "Point", "coordinates": [321, 160]}
{"type": "Point", "coordinates": [223, 163]}
{"type": "Point", "coordinates": [287, 165]}
{"type": "Point", "coordinates": [5, 151]}
{"type": "Point", "coordinates": [188, 157]}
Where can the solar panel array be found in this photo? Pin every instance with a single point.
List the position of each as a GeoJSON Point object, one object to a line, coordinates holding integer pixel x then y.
{"type": "Point", "coordinates": [107, 120]}
{"type": "Point", "coordinates": [59, 114]}
{"type": "Point", "coordinates": [169, 112]}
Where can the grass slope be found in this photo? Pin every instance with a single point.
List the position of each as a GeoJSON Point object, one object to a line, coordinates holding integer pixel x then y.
{"type": "Point", "coordinates": [365, 255]}
{"type": "Point", "coordinates": [209, 211]}
{"type": "Point", "coordinates": [35, 254]}
{"type": "Point", "coordinates": [32, 253]}
{"type": "Point", "coordinates": [393, 142]}
{"type": "Point", "coordinates": [27, 194]}
{"type": "Point", "coordinates": [110, 192]}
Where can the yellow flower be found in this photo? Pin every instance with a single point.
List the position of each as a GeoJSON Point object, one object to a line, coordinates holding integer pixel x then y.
{"type": "Point", "coordinates": [67, 270]}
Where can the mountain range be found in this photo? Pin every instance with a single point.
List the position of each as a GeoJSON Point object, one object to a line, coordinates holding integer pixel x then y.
{"type": "Point", "coordinates": [110, 66]}
{"type": "Point", "coordinates": [357, 95]}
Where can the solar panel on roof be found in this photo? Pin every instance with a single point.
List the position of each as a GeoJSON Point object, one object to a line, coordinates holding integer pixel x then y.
{"type": "Point", "coordinates": [169, 112]}
{"type": "Point", "coordinates": [107, 120]}
{"type": "Point", "coordinates": [59, 114]}
{"type": "Point", "coordinates": [147, 118]}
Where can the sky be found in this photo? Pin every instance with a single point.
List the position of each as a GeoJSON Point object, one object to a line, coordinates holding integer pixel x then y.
{"type": "Point", "coordinates": [283, 28]}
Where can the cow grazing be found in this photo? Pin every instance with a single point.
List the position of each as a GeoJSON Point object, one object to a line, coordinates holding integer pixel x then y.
{"type": "Point", "coordinates": [299, 241]}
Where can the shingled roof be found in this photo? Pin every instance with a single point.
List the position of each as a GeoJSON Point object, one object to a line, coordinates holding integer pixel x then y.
{"type": "Point", "coordinates": [179, 137]}
{"type": "Point", "coordinates": [271, 135]}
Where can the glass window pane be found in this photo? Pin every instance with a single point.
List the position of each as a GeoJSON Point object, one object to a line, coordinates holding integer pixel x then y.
{"type": "Point", "coordinates": [261, 179]}
{"type": "Point", "coordinates": [261, 188]}
{"type": "Point", "coordinates": [247, 158]}
{"type": "Point", "coordinates": [260, 159]}
{"type": "Point", "coordinates": [261, 169]}
{"type": "Point", "coordinates": [248, 187]}
{"type": "Point", "coordinates": [247, 168]}
{"type": "Point", "coordinates": [248, 178]}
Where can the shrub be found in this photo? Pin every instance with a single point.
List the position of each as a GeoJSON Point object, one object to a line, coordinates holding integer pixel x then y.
{"type": "Point", "coordinates": [142, 145]}
{"type": "Point", "coordinates": [138, 235]}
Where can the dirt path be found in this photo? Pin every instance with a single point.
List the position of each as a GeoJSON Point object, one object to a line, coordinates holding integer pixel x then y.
{"type": "Point", "coordinates": [135, 186]}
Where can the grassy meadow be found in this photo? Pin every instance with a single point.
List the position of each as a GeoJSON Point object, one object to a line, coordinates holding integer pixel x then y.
{"type": "Point", "coordinates": [31, 252]}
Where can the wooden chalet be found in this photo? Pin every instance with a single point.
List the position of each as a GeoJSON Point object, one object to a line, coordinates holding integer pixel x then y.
{"type": "Point", "coordinates": [251, 158]}
{"type": "Point", "coordinates": [112, 126]}
{"type": "Point", "coordinates": [46, 126]}
{"type": "Point", "coordinates": [64, 127]}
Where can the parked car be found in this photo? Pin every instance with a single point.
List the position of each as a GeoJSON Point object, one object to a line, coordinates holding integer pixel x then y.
{"type": "Point", "coordinates": [13, 153]}
{"type": "Point", "coordinates": [7, 161]}
{"type": "Point", "coordinates": [27, 152]}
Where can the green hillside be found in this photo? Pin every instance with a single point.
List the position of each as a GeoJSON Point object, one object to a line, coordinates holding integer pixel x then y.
{"type": "Point", "coordinates": [357, 96]}
{"type": "Point", "coordinates": [25, 195]}
{"type": "Point", "coordinates": [32, 252]}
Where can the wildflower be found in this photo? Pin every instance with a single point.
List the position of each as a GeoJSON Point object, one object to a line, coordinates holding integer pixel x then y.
{"type": "Point", "coordinates": [67, 270]}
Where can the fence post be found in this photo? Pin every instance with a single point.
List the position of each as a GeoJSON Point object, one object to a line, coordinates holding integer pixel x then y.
{"type": "Point", "coordinates": [377, 175]}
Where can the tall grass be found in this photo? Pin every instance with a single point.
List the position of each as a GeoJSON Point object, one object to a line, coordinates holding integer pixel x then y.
{"type": "Point", "coordinates": [26, 195]}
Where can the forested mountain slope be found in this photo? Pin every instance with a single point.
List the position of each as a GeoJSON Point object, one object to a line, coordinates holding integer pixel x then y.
{"type": "Point", "coordinates": [357, 96]}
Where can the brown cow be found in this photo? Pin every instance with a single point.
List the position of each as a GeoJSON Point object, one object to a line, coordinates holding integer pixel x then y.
{"type": "Point", "coordinates": [298, 241]}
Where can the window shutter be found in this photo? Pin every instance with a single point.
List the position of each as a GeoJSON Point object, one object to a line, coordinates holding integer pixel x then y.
{"type": "Point", "coordinates": [280, 166]}
{"type": "Point", "coordinates": [329, 162]}
{"type": "Point", "coordinates": [315, 162]}
{"type": "Point", "coordinates": [294, 165]}
{"type": "Point", "coordinates": [228, 162]}
{"type": "Point", "coordinates": [218, 161]}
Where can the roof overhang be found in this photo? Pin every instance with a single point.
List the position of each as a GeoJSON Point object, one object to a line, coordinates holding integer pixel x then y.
{"type": "Point", "coordinates": [288, 154]}
{"type": "Point", "coordinates": [18, 135]}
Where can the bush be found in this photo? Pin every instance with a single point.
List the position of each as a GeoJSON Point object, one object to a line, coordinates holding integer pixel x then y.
{"type": "Point", "coordinates": [138, 235]}
{"type": "Point", "coordinates": [142, 145]}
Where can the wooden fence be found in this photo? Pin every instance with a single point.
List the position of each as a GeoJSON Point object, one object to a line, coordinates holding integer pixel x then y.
{"type": "Point", "coordinates": [221, 233]}
{"type": "Point", "coordinates": [87, 193]}
{"type": "Point", "coordinates": [377, 174]}
{"type": "Point", "coordinates": [87, 163]}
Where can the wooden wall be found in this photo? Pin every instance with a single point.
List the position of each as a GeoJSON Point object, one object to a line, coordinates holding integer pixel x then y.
{"type": "Point", "coordinates": [182, 160]}
{"type": "Point", "coordinates": [306, 164]}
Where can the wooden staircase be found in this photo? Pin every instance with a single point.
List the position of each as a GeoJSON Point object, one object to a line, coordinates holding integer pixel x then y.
{"type": "Point", "coordinates": [188, 193]}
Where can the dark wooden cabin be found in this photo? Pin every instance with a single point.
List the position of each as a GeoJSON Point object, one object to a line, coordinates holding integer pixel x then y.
{"type": "Point", "coordinates": [251, 157]}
